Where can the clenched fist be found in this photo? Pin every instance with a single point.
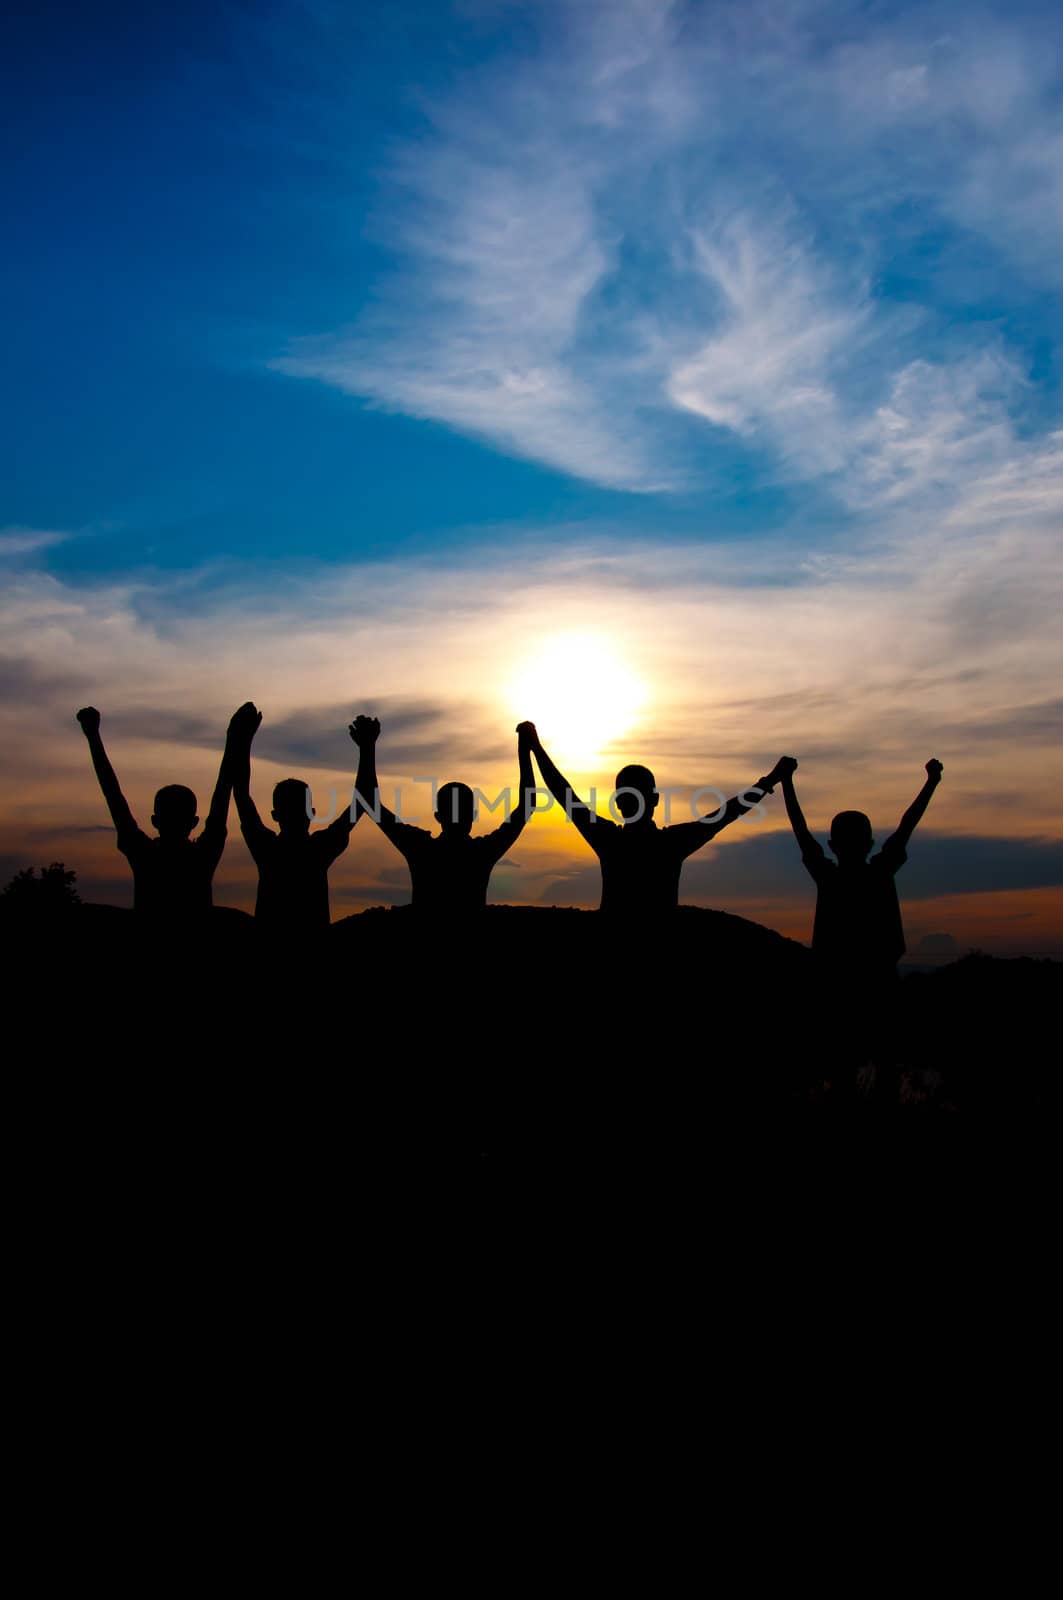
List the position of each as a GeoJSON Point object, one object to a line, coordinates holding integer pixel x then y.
{"type": "Point", "coordinates": [365, 730]}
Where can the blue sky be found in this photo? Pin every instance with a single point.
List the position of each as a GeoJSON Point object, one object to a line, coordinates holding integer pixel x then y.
{"type": "Point", "coordinates": [422, 310]}
{"type": "Point", "coordinates": [656, 267]}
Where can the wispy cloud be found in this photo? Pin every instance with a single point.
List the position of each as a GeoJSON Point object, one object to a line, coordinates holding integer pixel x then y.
{"type": "Point", "coordinates": [958, 109]}
{"type": "Point", "coordinates": [768, 368]}
{"type": "Point", "coordinates": [423, 735]}
{"type": "Point", "coordinates": [501, 250]}
{"type": "Point", "coordinates": [664, 210]}
{"type": "Point", "coordinates": [938, 431]}
{"type": "Point", "coordinates": [16, 542]}
{"type": "Point", "coordinates": [479, 329]}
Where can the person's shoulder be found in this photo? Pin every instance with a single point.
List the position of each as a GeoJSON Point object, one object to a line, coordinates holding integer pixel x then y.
{"type": "Point", "coordinates": [317, 838]}
{"type": "Point", "coordinates": [252, 827]}
{"type": "Point", "coordinates": [508, 828]}
{"type": "Point", "coordinates": [818, 864]}
{"type": "Point", "coordinates": [890, 857]}
{"type": "Point", "coordinates": [135, 842]}
{"type": "Point", "coordinates": [261, 841]}
{"type": "Point", "coordinates": [412, 831]}
{"type": "Point", "coordinates": [410, 836]}
{"type": "Point", "coordinates": [676, 835]}
{"type": "Point", "coordinates": [210, 836]}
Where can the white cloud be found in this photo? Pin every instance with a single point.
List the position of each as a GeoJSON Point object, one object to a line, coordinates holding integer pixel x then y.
{"type": "Point", "coordinates": [502, 249]}
{"type": "Point", "coordinates": [958, 110]}
{"type": "Point", "coordinates": [661, 208]}
{"type": "Point", "coordinates": [478, 330]}
{"type": "Point", "coordinates": [781, 370]}
{"type": "Point", "coordinates": [767, 370]}
{"type": "Point", "coordinates": [1012, 191]}
{"type": "Point", "coordinates": [941, 428]}
{"type": "Point", "coordinates": [28, 541]}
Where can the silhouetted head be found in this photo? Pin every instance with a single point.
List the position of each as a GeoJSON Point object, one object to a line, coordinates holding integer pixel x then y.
{"type": "Point", "coordinates": [850, 836]}
{"type": "Point", "coordinates": [291, 806]}
{"type": "Point", "coordinates": [455, 806]}
{"type": "Point", "coordinates": [174, 816]}
{"type": "Point", "coordinates": [641, 797]}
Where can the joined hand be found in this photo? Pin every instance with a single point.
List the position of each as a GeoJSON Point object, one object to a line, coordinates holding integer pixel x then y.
{"type": "Point", "coordinates": [245, 722]}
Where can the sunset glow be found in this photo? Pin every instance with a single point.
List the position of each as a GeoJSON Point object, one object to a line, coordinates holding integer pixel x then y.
{"type": "Point", "coordinates": [583, 693]}
{"type": "Point", "coordinates": [685, 379]}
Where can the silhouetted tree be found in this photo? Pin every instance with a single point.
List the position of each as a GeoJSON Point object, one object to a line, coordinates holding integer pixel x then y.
{"type": "Point", "coordinates": [52, 891]}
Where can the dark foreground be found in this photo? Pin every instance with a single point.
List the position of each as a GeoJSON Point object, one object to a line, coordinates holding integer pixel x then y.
{"type": "Point", "coordinates": [544, 1026]}
{"type": "Point", "coordinates": [416, 1108]}
{"type": "Point", "coordinates": [343, 1220]}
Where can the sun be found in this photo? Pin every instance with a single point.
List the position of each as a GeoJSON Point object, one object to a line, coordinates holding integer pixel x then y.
{"type": "Point", "coordinates": [580, 693]}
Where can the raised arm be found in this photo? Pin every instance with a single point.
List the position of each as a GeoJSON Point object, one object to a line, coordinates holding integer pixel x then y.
{"type": "Point", "coordinates": [806, 840]}
{"type": "Point", "coordinates": [584, 818]}
{"type": "Point", "coordinates": [117, 804]}
{"type": "Point", "coordinates": [525, 772]}
{"type": "Point", "coordinates": [242, 729]}
{"type": "Point", "coordinates": [339, 829]}
{"type": "Point", "coordinates": [505, 836]}
{"type": "Point", "coordinates": [692, 835]}
{"type": "Point", "coordinates": [365, 731]}
{"type": "Point", "coordinates": [915, 811]}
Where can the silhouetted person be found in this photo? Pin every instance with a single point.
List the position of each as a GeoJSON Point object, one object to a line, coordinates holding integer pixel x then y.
{"type": "Point", "coordinates": [641, 862]}
{"type": "Point", "coordinates": [171, 874]}
{"type": "Point", "coordinates": [292, 863]}
{"type": "Point", "coordinates": [858, 927]}
{"type": "Point", "coordinates": [858, 936]}
{"type": "Point", "coordinates": [449, 871]}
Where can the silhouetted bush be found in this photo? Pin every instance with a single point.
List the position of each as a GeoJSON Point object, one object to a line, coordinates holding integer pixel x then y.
{"type": "Point", "coordinates": [45, 891]}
